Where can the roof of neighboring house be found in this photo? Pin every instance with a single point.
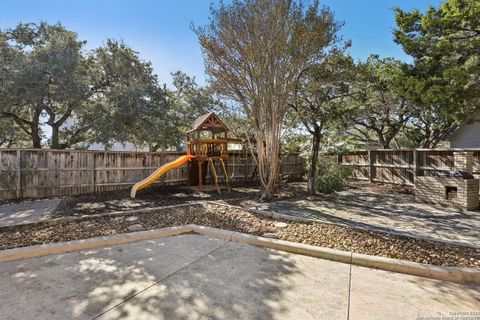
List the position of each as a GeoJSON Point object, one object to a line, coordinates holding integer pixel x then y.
{"type": "Point", "coordinates": [209, 122]}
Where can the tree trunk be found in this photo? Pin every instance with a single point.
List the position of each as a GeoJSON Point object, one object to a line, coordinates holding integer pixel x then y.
{"type": "Point", "coordinates": [268, 159]}
{"type": "Point", "coordinates": [385, 142]}
{"type": "Point", "coordinates": [312, 175]}
{"type": "Point", "coordinates": [36, 140]}
{"type": "Point", "coordinates": [54, 143]}
{"type": "Point", "coordinates": [35, 131]}
{"type": "Point", "coordinates": [262, 167]}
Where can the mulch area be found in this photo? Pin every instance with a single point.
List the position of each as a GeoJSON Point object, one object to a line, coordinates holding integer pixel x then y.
{"type": "Point", "coordinates": [245, 194]}
{"type": "Point", "coordinates": [106, 202]}
{"type": "Point", "coordinates": [325, 235]}
{"type": "Point", "coordinates": [113, 201]}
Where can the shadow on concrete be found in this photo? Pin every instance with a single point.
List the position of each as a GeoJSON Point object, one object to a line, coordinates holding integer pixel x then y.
{"type": "Point", "coordinates": [214, 289]}
{"type": "Point", "coordinates": [384, 295]}
{"type": "Point", "coordinates": [195, 278]}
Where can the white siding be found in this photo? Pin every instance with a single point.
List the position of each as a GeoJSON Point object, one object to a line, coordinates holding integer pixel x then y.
{"type": "Point", "coordinates": [467, 136]}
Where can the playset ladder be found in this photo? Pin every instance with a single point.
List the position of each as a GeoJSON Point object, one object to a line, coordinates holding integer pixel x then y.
{"type": "Point", "coordinates": [225, 174]}
{"type": "Point", "coordinates": [214, 173]}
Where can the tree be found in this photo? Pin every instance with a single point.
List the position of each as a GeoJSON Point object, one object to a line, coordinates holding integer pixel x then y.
{"type": "Point", "coordinates": [430, 127]}
{"type": "Point", "coordinates": [11, 136]}
{"type": "Point", "coordinates": [21, 80]}
{"type": "Point", "coordinates": [129, 104]}
{"type": "Point", "coordinates": [382, 107]}
{"type": "Point", "coordinates": [255, 51]}
{"type": "Point", "coordinates": [320, 101]}
{"type": "Point", "coordinates": [189, 101]}
{"type": "Point", "coordinates": [445, 45]}
{"type": "Point", "coordinates": [98, 96]}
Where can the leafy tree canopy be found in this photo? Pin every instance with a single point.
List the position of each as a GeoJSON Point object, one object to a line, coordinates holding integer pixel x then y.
{"type": "Point", "coordinates": [107, 94]}
{"type": "Point", "coordinates": [382, 108]}
{"type": "Point", "coordinates": [445, 45]}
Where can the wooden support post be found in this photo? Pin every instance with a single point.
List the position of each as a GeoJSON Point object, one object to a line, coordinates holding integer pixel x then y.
{"type": "Point", "coordinates": [18, 177]}
{"type": "Point", "coordinates": [200, 174]}
{"type": "Point", "coordinates": [416, 165]}
{"type": "Point", "coordinates": [92, 166]}
{"type": "Point", "coordinates": [371, 165]}
{"type": "Point", "coordinates": [247, 166]}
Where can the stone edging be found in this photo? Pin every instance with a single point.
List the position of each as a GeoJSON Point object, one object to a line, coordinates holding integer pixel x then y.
{"type": "Point", "coordinates": [412, 268]}
{"type": "Point", "coordinates": [90, 243]}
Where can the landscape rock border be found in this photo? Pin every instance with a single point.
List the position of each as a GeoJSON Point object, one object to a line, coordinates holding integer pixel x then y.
{"type": "Point", "coordinates": [455, 274]}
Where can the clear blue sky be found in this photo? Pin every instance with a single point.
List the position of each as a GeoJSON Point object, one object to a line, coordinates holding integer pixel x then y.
{"type": "Point", "coordinates": [160, 30]}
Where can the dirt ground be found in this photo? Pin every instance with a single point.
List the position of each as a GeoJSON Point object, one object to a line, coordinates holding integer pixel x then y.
{"type": "Point", "coordinates": [241, 194]}
{"type": "Point", "coordinates": [106, 202]}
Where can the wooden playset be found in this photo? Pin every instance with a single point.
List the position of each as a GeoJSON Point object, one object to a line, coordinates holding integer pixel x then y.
{"type": "Point", "coordinates": [207, 144]}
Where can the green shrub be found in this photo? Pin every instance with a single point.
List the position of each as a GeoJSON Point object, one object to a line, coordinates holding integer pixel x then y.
{"type": "Point", "coordinates": [331, 176]}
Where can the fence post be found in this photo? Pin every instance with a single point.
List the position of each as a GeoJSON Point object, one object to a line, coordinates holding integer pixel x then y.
{"type": "Point", "coordinates": [416, 165]}
{"type": "Point", "coordinates": [371, 166]}
{"type": "Point", "coordinates": [92, 168]}
{"type": "Point", "coordinates": [18, 182]}
{"type": "Point", "coordinates": [248, 158]}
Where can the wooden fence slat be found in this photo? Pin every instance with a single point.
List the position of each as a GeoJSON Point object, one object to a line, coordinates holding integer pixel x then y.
{"type": "Point", "coordinates": [403, 166]}
{"type": "Point", "coordinates": [33, 173]}
{"type": "Point", "coordinates": [19, 175]}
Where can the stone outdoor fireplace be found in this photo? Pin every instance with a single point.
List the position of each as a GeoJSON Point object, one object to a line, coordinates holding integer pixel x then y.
{"type": "Point", "coordinates": [458, 187]}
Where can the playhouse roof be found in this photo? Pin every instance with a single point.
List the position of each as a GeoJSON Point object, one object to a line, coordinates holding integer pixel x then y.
{"type": "Point", "coordinates": [209, 122]}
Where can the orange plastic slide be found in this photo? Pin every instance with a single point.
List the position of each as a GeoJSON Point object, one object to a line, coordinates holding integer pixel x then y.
{"type": "Point", "coordinates": [158, 173]}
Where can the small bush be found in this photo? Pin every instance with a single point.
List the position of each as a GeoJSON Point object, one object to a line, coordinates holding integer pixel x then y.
{"type": "Point", "coordinates": [331, 176]}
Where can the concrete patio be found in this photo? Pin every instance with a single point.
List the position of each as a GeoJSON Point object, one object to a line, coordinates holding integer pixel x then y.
{"type": "Point", "coordinates": [27, 211]}
{"type": "Point", "coordinates": [194, 277]}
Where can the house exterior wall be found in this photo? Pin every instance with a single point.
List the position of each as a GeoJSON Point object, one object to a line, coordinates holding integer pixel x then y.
{"type": "Point", "coordinates": [467, 136]}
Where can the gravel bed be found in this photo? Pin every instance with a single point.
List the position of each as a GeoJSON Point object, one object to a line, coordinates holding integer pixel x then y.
{"type": "Point", "coordinates": [325, 235]}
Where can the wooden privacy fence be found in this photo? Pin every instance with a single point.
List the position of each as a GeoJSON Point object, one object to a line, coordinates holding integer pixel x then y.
{"type": "Point", "coordinates": [404, 165]}
{"type": "Point", "coordinates": [35, 173]}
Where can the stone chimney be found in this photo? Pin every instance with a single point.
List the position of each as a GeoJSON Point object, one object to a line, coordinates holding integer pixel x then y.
{"type": "Point", "coordinates": [463, 161]}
